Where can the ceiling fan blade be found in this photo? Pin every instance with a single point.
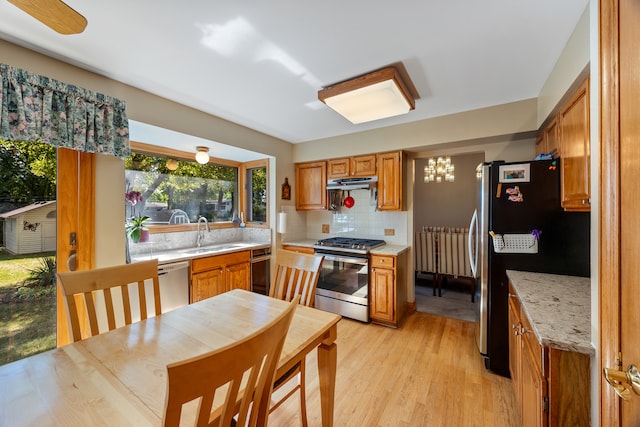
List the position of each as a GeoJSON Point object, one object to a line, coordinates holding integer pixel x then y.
{"type": "Point", "coordinates": [54, 14]}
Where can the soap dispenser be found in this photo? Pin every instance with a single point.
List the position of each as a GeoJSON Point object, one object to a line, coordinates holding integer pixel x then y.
{"type": "Point", "coordinates": [242, 224]}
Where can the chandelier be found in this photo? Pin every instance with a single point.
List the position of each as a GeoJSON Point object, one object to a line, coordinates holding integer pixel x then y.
{"type": "Point", "coordinates": [439, 170]}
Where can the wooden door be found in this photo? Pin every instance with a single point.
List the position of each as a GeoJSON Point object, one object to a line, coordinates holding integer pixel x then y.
{"type": "Point", "coordinates": [515, 349]}
{"type": "Point", "coordinates": [363, 165]}
{"type": "Point", "coordinates": [338, 168]}
{"type": "Point", "coordinates": [390, 181]}
{"type": "Point", "coordinates": [207, 284]}
{"type": "Point", "coordinates": [619, 232]}
{"type": "Point", "coordinates": [311, 186]}
{"type": "Point", "coordinates": [76, 214]}
{"type": "Point", "coordinates": [534, 389]}
{"type": "Point", "coordinates": [239, 276]}
{"type": "Point", "coordinates": [576, 150]}
{"type": "Point", "coordinates": [383, 292]}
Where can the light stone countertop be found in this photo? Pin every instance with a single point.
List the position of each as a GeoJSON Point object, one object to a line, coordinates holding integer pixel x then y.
{"type": "Point", "coordinates": [394, 250]}
{"type": "Point", "coordinates": [559, 308]}
{"type": "Point", "coordinates": [184, 254]}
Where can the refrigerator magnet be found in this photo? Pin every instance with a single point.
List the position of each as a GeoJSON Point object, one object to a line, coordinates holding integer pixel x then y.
{"type": "Point", "coordinates": [514, 194]}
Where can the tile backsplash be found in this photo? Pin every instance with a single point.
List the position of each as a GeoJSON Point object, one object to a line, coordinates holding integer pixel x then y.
{"type": "Point", "coordinates": [362, 220]}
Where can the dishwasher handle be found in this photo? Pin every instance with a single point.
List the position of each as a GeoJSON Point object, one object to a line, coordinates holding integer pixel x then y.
{"type": "Point", "coordinates": [168, 268]}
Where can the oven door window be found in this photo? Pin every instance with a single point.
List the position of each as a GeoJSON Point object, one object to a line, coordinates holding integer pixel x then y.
{"type": "Point", "coordinates": [347, 276]}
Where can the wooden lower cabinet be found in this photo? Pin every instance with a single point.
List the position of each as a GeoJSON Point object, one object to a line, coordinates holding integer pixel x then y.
{"type": "Point", "coordinates": [214, 275]}
{"type": "Point", "coordinates": [551, 386]}
{"type": "Point", "coordinates": [387, 296]}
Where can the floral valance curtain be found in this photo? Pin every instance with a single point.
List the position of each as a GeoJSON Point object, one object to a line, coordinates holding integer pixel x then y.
{"type": "Point", "coordinates": [40, 108]}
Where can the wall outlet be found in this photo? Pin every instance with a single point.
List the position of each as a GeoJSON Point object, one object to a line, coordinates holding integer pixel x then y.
{"type": "Point", "coordinates": [389, 231]}
{"type": "Point", "coordinates": [325, 228]}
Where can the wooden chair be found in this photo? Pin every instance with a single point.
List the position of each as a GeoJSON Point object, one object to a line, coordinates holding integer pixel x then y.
{"type": "Point", "coordinates": [85, 284]}
{"type": "Point", "coordinates": [254, 359]}
{"type": "Point", "coordinates": [296, 274]}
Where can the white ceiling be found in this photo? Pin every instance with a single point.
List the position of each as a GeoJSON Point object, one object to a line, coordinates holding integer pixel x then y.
{"type": "Point", "coordinates": [261, 63]}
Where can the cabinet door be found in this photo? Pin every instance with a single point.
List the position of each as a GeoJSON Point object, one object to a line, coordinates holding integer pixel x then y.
{"type": "Point", "coordinates": [382, 298]}
{"type": "Point", "coordinates": [534, 390]}
{"type": "Point", "coordinates": [390, 181]}
{"type": "Point", "coordinates": [541, 146]}
{"type": "Point", "coordinates": [552, 139]}
{"type": "Point", "coordinates": [311, 185]}
{"type": "Point", "coordinates": [239, 276]}
{"type": "Point", "coordinates": [363, 165]}
{"type": "Point", "coordinates": [208, 284]}
{"type": "Point", "coordinates": [514, 351]}
{"type": "Point", "coordinates": [575, 150]}
{"type": "Point", "coordinates": [338, 168]}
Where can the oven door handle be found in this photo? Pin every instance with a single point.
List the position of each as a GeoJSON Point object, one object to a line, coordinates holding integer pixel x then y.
{"type": "Point", "coordinates": [351, 260]}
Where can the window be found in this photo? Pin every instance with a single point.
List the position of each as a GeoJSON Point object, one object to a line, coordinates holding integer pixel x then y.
{"type": "Point", "coordinates": [183, 193]}
{"type": "Point", "coordinates": [256, 200]}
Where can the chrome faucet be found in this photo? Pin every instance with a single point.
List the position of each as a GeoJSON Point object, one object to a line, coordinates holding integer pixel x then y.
{"type": "Point", "coordinates": [201, 233]}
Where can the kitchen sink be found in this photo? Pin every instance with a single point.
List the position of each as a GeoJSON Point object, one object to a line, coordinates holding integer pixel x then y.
{"type": "Point", "coordinates": [213, 249]}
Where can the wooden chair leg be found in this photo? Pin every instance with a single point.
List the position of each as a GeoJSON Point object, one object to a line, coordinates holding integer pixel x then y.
{"type": "Point", "coordinates": [303, 395]}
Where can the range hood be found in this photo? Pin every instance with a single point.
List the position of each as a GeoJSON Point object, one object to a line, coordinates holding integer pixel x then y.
{"type": "Point", "coordinates": [352, 183]}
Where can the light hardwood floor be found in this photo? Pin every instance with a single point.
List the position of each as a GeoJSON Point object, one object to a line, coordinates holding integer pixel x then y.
{"type": "Point", "coordinates": [426, 373]}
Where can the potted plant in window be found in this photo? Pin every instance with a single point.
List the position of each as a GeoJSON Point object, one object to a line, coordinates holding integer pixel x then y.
{"type": "Point", "coordinates": [135, 227]}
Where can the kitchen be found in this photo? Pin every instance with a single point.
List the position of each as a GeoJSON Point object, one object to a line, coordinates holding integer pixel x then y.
{"type": "Point", "coordinates": [485, 127]}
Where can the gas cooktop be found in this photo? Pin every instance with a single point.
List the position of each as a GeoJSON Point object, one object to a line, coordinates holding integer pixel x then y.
{"type": "Point", "coordinates": [349, 244]}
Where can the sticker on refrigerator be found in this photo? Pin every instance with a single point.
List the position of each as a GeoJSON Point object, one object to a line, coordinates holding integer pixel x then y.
{"type": "Point", "coordinates": [515, 173]}
{"type": "Point", "coordinates": [514, 194]}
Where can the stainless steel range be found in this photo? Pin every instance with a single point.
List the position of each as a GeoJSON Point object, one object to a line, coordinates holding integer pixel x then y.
{"type": "Point", "coordinates": [343, 285]}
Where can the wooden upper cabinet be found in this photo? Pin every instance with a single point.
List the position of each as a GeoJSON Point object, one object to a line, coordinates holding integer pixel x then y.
{"type": "Point", "coordinates": [552, 139]}
{"type": "Point", "coordinates": [338, 168]}
{"type": "Point", "coordinates": [575, 151]}
{"type": "Point", "coordinates": [390, 181]}
{"type": "Point", "coordinates": [352, 166]}
{"type": "Point", "coordinates": [311, 186]}
{"type": "Point", "coordinates": [541, 146]}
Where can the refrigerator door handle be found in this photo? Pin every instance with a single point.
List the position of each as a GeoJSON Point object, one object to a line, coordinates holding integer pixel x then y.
{"type": "Point", "coordinates": [473, 236]}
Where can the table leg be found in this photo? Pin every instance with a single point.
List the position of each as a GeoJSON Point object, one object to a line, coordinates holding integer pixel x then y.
{"type": "Point", "coordinates": [327, 362]}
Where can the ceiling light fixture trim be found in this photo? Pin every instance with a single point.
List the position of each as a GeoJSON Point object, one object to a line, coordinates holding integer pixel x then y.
{"type": "Point", "coordinates": [377, 95]}
{"type": "Point", "coordinates": [202, 155]}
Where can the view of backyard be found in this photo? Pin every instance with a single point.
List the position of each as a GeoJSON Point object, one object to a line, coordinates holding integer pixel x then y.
{"type": "Point", "coordinates": [27, 305]}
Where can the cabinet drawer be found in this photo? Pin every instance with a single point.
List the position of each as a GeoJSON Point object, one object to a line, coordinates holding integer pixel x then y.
{"type": "Point", "coordinates": [219, 261]}
{"type": "Point", "coordinates": [379, 261]}
{"type": "Point", "coordinates": [299, 249]}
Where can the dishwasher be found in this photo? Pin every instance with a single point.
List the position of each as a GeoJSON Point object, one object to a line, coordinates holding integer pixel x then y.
{"type": "Point", "coordinates": [174, 285]}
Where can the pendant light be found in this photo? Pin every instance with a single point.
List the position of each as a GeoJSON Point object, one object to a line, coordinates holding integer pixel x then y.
{"type": "Point", "coordinates": [202, 155]}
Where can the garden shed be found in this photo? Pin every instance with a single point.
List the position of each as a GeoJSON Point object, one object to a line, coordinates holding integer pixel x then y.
{"type": "Point", "coordinates": [30, 229]}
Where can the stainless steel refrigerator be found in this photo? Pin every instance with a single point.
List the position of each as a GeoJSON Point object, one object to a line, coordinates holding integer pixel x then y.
{"type": "Point", "coordinates": [519, 224]}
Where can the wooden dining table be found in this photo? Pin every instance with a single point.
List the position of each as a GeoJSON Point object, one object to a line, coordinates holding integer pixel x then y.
{"type": "Point", "coordinates": [119, 378]}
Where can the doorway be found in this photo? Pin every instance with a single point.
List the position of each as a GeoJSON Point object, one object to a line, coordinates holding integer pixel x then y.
{"type": "Point", "coordinates": [441, 206]}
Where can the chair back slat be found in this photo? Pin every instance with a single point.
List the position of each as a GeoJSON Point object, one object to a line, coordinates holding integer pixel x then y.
{"type": "Point", "coordinates": [296, 274]}
{"type": "Point", "coordinates": [84, 289]}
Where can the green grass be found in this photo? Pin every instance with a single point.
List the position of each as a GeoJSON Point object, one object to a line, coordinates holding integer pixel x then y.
{"type": "Point", "coordinates": [14, 268]}
{"type": "Point", "coordinates": [27, 326]}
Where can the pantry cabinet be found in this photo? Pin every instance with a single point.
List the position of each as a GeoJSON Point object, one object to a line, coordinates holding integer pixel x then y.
{"type": "Point", "coordinates": [311, 186]}
{"type": "Point", "coordinates": [352, 167]}
{"type": "Point", "coordinates": [390, 181]}
{"type": "Point", "coordinates": [551, 385]}
{"type": "Point", "coordinates": [217, 274]}
{"type": "Point", "coordinates": [387, 298]}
